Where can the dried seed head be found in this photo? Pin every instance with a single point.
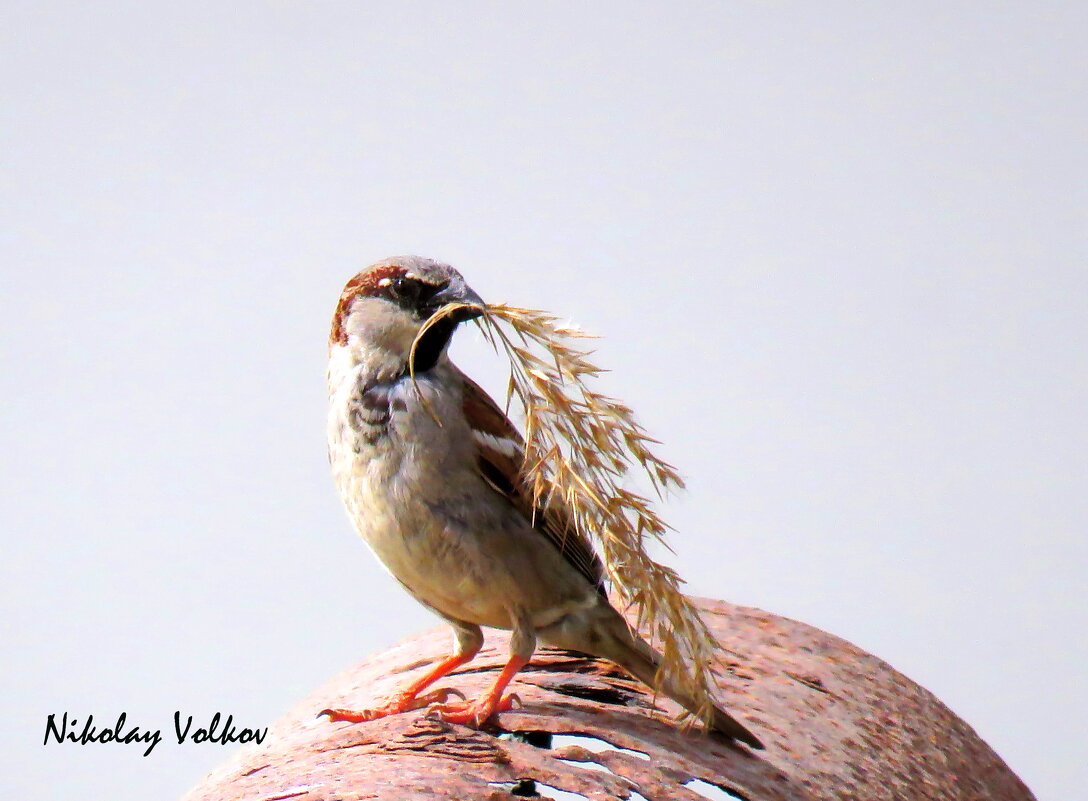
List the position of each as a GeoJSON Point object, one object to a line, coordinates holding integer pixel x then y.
{"type": "Point", "coordinates": [579, 445]}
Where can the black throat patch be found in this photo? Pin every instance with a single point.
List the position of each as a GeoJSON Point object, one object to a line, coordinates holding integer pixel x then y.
{"type": "Point", "coordinates": [431, 345]}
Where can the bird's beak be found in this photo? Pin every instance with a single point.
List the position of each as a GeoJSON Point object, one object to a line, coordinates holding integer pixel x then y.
{"type": "Point", "coordinates": [457, 291]}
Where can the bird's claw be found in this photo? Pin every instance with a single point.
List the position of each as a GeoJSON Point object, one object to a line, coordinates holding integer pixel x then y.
{"type": "Point", "coordinates": [472, 713]}
{"type": "Point", "coordinates": [400, 703]}
{"type": "Point", "coordinates": [439, 696]}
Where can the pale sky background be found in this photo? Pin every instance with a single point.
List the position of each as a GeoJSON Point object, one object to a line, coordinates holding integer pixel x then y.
{"type": "Point", "coordinates": [839, 253]}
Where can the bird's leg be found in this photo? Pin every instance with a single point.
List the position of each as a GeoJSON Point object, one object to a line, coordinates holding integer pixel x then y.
{"type": "Point", "coordinates": [469, 640]}
{"type": "Point", "coordinates": [474, 713]}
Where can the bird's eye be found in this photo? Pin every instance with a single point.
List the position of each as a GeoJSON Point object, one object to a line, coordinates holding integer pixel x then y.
{"type": "Point", "coordinates": [405, 289]}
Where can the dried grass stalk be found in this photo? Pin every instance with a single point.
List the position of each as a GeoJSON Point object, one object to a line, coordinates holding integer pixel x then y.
{"type": "Point", "coordinates": [579, 447]}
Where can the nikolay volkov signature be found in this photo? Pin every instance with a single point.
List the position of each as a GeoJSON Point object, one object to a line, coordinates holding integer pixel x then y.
{"type": "Point", "coordinates": [212, 733]}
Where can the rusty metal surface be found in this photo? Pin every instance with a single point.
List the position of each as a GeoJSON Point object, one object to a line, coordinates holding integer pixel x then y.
{"type": "Point", "coordinates": [838, 724]}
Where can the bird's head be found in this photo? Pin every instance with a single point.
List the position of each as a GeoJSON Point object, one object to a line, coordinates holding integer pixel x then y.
{"type": "Point", "coordinates": [384, 307]}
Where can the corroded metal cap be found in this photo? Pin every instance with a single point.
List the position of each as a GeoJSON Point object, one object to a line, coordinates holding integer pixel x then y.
{"type": "Point", "coordinates": [838, 723]}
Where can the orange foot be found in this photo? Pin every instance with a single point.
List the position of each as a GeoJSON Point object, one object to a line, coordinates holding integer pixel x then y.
{"type": "Point", "coordinates": [472, 713]}
{"type": "Point", "coordinates": [402, 702]}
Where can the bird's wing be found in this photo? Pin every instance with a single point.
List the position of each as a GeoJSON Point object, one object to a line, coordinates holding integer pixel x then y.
{"type": "Point", "coordinates": [499, 455]}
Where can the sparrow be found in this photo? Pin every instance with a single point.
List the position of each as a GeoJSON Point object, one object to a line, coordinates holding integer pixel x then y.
{"type": "Point", "coordinates": [429, 469]}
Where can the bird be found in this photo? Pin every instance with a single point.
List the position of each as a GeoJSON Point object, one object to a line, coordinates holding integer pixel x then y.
{"type": "Point", "coordinates": [429, 469]}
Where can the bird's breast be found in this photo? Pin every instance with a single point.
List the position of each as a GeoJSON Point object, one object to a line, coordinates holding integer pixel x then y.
{"type": "Point", "coordinates": [403, 468]}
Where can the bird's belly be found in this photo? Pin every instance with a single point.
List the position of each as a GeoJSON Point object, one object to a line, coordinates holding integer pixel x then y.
{"type": "Point", "coordinates": [476, 563]}
{"type": "Point", "coordinates": [442, 581]}
{"type": "Point", "coordinates": [432, 562]}
{"type": "Point", "coordinates": [445, 571]}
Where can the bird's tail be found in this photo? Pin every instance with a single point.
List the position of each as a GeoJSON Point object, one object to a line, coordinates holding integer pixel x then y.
{"type": "Point", "coordinates": [637, 657]}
